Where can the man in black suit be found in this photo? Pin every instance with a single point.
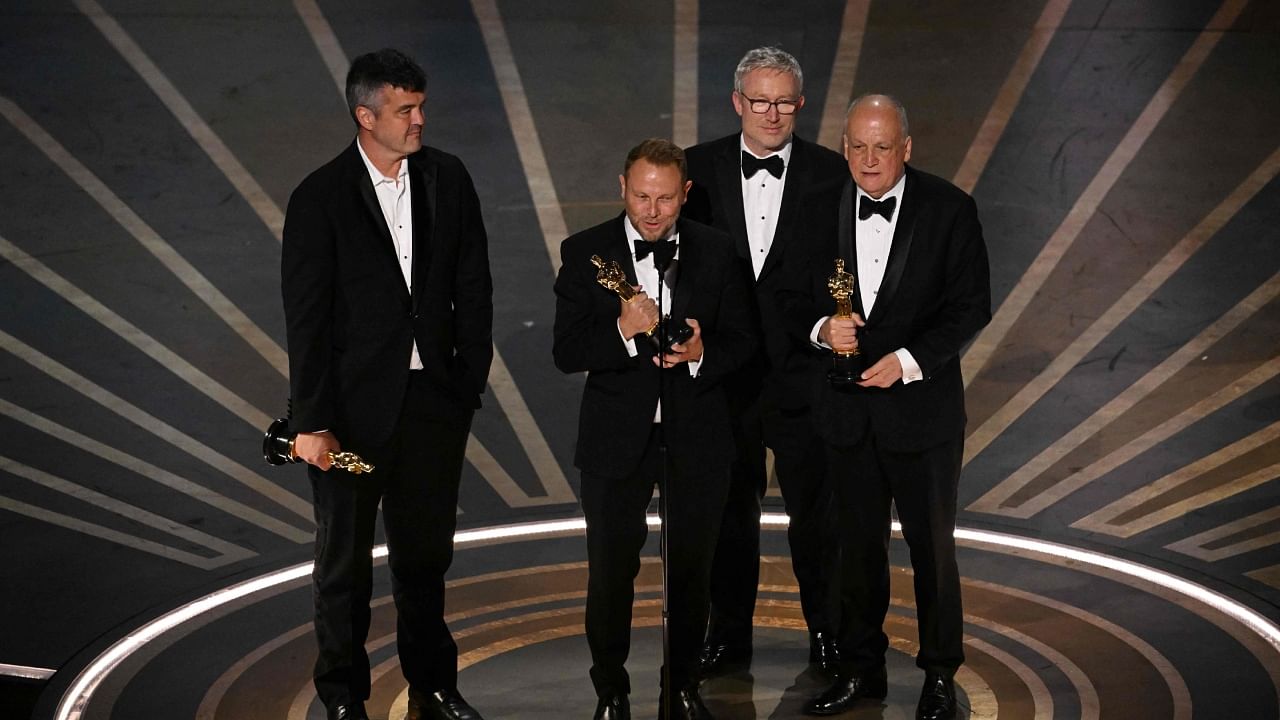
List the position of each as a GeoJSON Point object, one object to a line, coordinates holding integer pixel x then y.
{"type": "Point", "coordinates": [388, 303]}
{"type": "Point", "coordinates": [623, 424]}
{"type": "Point", "coordinates": [751, 184]}
{"type": "Point", "coordinates": [896, 434]}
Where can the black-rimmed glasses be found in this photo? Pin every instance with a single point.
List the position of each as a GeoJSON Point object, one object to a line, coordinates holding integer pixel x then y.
{"type": "Point", "coordinates": [761, 106]}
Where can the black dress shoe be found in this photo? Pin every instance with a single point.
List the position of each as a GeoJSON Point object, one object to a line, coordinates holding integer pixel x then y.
{"type": "Point", "coordinates": [823, 651]}
{"type": "Point", "coordinates": [439, 705]}
{"type": "Point", "coordinates": [614, 707]}
{"type": "Point", "coordinates": [687, 705]}
{"type": "Point", "coordinates": [722, 657]}
{"type": "Point", "coordinates": [347, 711]}
{"type": "Point", "coordinates": [937, 698]}
{"type": "Point", "coordinates": [846, 692]}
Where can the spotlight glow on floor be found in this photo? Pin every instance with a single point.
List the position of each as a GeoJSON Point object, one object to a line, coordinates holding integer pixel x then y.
{"type": "Point", "coordinates": [77, 697]}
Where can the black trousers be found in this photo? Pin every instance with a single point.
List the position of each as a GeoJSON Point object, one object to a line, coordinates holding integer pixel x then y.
{"type": "Point", "coordinates": [415, 477]}
{"type": "Point", "coordinates": [923, 487]}
{"type": "Point", "coordinates": [815, 559]}
{"type": "Point", "coordinates": [616, 532]}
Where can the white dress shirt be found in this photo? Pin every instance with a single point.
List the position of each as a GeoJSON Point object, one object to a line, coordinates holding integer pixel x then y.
{"type": "Point", "coordinates": [647, 279]}
{"type": "Point", "coordinates": [761, 204]}
{"type": "Point", "coordinates": [396, 200]}
{"type": "Point", "coordinates": [874, 239]}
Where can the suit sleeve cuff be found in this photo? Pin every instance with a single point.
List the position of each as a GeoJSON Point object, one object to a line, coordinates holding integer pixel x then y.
{"type": "Point", "coordinates": [911, 371]}
{"type": "Point", "coordinates": [630, 343]}
{"type": "Point", "coordinates": [813, 334]}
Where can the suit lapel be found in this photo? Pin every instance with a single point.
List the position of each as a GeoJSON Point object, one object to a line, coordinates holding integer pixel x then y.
{"type": "Point", "coordinates": [422, 189]}
{"type": "Point", "coordinates": [900, 249]}
{"type": "Point", "coordinates": [686, 272]}
{"type": "Point", "coordinates": [619, 250]}
{"type": "Point", "coordinates": [373, 216]}
{"type": "Point", "coordinates": [847, 242]}
{"type": "Point", "coordinates": [729, 182]}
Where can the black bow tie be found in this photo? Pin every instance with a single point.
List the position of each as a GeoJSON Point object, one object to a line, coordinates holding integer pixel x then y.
{"type": "Point", "coordinates": [884, 208]}
{"type": "Point", "coordinates": [663, 251]}
{"type": "Point", "coordinates": [752, 164]}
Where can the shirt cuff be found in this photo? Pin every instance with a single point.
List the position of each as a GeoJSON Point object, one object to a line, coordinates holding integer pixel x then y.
{"type": "Point", "coordinates": [629, 342]}
{"type": "Point", "coordinates": [813, 334]}
{"type": "Point", "coordinates": [696, 365]}
{"type": "Point", "coordinates": [911, 371]}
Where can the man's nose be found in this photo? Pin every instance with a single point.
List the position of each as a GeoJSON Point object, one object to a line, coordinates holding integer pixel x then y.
{"type": "Point", "coordinates": [417, 117]}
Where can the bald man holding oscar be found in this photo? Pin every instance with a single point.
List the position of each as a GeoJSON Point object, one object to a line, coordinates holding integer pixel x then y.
{"type": "Point", "coordinates": [893, 433]}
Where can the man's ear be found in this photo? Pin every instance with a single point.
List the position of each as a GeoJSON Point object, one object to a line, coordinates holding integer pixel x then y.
{"type": "Point", "coordinates": [365, 117]}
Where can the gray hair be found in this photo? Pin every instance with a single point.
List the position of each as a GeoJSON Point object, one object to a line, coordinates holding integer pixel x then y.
{"type": "Point", "coordinates": [767, 58]}
{"type": "Point", "coordinates": [371, 72]}
{"type": "Point", "coordinates": [893, 103]}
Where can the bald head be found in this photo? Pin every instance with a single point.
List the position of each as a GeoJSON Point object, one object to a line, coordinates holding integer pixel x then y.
{"type": "Point", "coordinates": [880, 101]}
{"type": "Point", "coordinates": [876, 144]}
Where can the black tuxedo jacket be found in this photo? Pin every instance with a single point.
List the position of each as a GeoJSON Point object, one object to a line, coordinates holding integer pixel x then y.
{"type": "Point", "coordinates": [935, 296]}
{"type": "Point", "coordinates": [778, 369]}
{"type": "Point", "coordinates": [351, 321]}
{"type": "Point", "coordinates": [621, 393]}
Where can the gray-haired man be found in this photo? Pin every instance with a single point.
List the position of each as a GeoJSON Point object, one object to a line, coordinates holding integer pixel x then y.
{"type": "Point", "coordinates": [750, 184]}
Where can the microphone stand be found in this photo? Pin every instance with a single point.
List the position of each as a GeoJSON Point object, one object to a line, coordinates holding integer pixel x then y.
{"type": "Point", "coordinates": [661, 263]}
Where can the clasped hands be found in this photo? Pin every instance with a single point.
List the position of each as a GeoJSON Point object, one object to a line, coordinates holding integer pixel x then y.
{"type": "Point", "coordinates": [841, 335]}
{"type": "Point", "coordinates": [641, 314]}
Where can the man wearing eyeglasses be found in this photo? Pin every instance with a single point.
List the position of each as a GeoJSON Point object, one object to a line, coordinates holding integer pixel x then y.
{"type": "Point", "coordinates": [750, 184]}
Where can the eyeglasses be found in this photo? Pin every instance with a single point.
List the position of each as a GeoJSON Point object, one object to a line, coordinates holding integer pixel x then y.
{"type": "Point", "coordinates": [761, 106]}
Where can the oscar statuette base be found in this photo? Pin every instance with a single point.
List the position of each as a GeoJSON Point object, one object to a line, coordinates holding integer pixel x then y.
{"type": "Point", "coordinates": [845, 370]}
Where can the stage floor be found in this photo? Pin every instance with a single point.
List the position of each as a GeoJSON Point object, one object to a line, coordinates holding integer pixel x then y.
{"type": "Point", "coordinates": [1046, 637]}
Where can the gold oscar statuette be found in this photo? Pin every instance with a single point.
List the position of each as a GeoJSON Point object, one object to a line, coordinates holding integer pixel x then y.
{"type": "Point", "coordinates": [611, 277]}
{"type": "Point", "coordinates": [350, 462]}
{"type": "Point", "coordinates": [846, 367]}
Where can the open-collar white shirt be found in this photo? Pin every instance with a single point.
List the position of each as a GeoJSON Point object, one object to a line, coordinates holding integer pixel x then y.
{"type": "Point", "coordinates": [395, 197]}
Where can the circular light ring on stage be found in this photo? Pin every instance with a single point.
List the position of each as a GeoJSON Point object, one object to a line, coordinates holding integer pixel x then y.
{"type": "Point", "coordinates": [1237, 620]}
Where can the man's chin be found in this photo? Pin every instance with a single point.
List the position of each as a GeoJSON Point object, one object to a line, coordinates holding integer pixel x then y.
{"type": "Point", "coordinates": [871, 184]}
{"type": "Point", "coordinates": [773, 141]}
